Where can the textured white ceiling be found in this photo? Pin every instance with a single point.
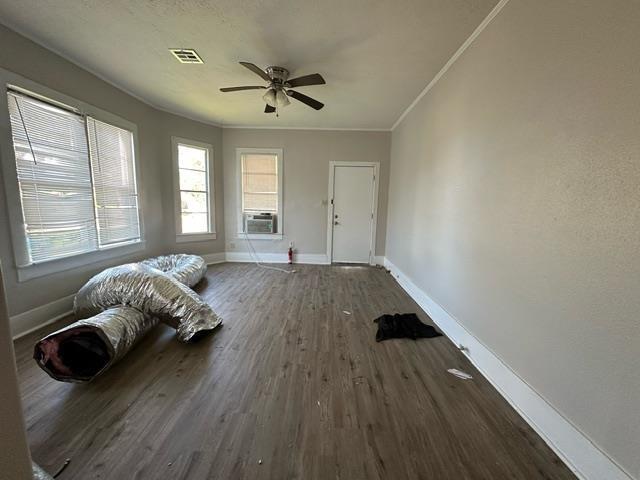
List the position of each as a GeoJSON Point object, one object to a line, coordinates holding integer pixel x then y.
{"type": "Point", "coordinates": [376, 55]}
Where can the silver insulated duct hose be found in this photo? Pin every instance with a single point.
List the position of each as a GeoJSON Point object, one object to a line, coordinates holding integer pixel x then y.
{"type": "Point", "coordinates": [117, 307]}
{"type": "Point", "coordinates": [150, 291]}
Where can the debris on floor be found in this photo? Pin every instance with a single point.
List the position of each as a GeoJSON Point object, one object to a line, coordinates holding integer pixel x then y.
{"type": "Point", "coordinates": [61, 469]}
{"type": "Point", "coordinates": [459, 374]}
{"type": "Point", "coordinates": [403, 325]}
{"type": "Point", "coordinates": [346, 312]}
{"type": "Point", "coordinates": [359, 380]}
{"type": "Point", "coordinates": [260, 462]}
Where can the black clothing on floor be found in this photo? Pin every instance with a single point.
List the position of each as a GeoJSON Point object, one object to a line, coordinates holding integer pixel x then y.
{"type": "Point", "coordinates": [403, 325]}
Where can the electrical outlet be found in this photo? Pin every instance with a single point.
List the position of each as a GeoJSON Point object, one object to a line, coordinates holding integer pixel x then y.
{"type": "Point", "coordinates": [232, 245]}
{"type": "Point", "coordinates": [291, 244]}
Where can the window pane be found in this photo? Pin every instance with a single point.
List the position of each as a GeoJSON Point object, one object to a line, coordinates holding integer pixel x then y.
{"type": "Point", "coordinates": [195, 223]}
{"type": "Point", "coordinates": [193, 180]}
{"type": "Point", "coordinates": [193, 168]}
{"type": "Point", "coordinates": [260, 163]}
{"type": "Point", "coordinates": [261, 203]}
{"type": "Point", "coordinates": [193, 202]}
{"type": "Point", "coordinates": [192, 157]}
{"type": "Point", "coordinates": [114, 182]}
{"type": "Point", "coordinates": [55, 186]}
{"type": "Point", "coordinates": [260, 182]}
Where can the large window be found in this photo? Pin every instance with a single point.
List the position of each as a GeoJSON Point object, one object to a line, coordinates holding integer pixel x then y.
{"type": "Point", "coordinates": [76, 179]}
{"type": "Point", "coordinates": [260, 172]}
{"type": "Point", "coordinates": [194, 197]}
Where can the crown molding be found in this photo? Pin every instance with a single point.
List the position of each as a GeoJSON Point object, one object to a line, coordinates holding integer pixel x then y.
{"type": "Point", "coordinates": [501, 4]}
{"type": "Point", "coordinates": [49, 48]}
{"type": "Point", "coordinates": [329, 129]}
{"type": "Point", "coordinates": [100, 76]}
{"type": "Point", "coordinates": [452, 60]}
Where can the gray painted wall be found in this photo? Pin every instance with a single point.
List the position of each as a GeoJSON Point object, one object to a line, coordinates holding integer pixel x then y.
{"type": "Point", "coordinates": [306, 163]}
{"type": "Point", "coordinates": [306, 157]}
{"type": "Point", "coordinates": [175, 126]}
{"type": "Point", "coordinates": [515, 204]}
{"type": "Point", "coordinates": [154, 135]}
{"type": "Point", "coordinates": [15, 461]}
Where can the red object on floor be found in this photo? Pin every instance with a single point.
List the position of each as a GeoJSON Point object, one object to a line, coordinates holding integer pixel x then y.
{"type": "Point", "coordinates": [290, 255]}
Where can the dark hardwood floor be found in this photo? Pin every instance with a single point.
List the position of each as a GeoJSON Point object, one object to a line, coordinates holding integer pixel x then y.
{"type": "Point", "coordinates": [289, 388]}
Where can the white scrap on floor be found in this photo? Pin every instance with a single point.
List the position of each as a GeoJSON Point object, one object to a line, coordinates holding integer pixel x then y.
{"type": "Point", "coordinates": [459, 374]}
{"type": "Point", "coordinates": [346, 312]}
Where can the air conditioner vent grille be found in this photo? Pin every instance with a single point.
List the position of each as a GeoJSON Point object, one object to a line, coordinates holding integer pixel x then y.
{"type": "Point", "coordinates": [186, 55]}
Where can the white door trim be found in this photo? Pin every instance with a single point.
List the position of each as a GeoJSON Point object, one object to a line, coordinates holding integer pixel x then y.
{"type": "Point", "coordinates": [330, 206]}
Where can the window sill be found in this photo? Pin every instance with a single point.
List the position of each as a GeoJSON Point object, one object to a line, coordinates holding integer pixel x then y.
{"type": "Point", "coordinates": [260, 236]}
{"type": "Point", "coordinates": [195, 237]}
{"type": "Point", "coordinates": [37, 270]}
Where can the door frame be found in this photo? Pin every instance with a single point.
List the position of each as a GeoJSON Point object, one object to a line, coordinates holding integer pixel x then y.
{"type": "Point", "coordinates": [330, 206]}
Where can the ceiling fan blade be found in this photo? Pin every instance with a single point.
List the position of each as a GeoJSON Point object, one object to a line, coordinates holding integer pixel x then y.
{"type": "Point", "coordinates": [257, 70]}
{"type": "Point", "coordinates": [313, 79]}
{"type": "Point", "coordinates": [237, 89]}
{"type": "Point", "coordinates": [269, 109]}
{"type": "Point", "coordinates": [306, 100]}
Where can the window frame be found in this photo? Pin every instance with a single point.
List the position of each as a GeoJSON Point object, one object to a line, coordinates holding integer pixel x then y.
{"type": "Point", "coordinates": [193, 237]}
{"type": "Point", "coordinates": [280, 213]}
{"type": "Point", "coordinates": [12, 81]}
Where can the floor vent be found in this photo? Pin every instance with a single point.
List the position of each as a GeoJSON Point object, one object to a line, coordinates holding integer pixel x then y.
{"type": "Point", "coordinates": [186, 55]}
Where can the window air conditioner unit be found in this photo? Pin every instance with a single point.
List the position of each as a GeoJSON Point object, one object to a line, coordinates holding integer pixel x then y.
{"type": "Point", "coordinates": [259, 223]}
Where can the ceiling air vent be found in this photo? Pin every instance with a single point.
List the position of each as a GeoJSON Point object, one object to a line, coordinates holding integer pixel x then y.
{"type": "Point", "coordinates": [186, 55]}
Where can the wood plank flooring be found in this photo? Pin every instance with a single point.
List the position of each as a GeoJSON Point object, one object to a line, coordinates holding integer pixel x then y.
{"type": "Point", "coordinates": [289, 388]}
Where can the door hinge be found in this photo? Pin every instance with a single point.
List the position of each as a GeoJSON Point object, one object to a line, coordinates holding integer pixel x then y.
{"type": "Point", "coordinates": [332, 201]}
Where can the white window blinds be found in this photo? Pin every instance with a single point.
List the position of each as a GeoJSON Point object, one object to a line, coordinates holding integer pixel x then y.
{"type": "Point", "coordinates": [52, 163]}
{"type": "Point", "coordinates": [76, 177]}
{"type": "Point", "coordinates": [259, 182]}
{"type": "Point", "coordinates": [114, 183]}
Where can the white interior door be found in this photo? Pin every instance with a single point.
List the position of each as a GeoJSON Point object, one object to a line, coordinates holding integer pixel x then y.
{"type": "Point", "coordinates": [353, 207]}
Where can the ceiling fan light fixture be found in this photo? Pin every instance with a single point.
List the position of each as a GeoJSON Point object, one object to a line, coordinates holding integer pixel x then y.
{"type": "Point", "coordinates": [270, 98]}
{"type": "Point", "coordinates": [277, 87]}
{"type": "Point", "coordinates": [282, 99]}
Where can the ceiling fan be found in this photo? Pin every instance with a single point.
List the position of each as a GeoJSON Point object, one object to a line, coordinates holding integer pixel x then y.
{"type": "Point", "coordinates": [278, 87]}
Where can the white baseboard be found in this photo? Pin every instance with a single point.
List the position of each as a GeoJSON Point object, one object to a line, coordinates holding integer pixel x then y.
{"type": "Point", "coordinates": [31, 320]}
{"type": "Point", "coordinates": [301, 258]}
{"type": "Point", "coordinates": [580, 454]}
{"type": "Point", "coordinates": [213, 258]}
{"type": "Point", "coordinates": [311, 258]}
{"type": "Point", "coordinates": [577, 451]}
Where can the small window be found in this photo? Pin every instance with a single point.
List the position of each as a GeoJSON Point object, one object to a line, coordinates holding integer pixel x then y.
{"type": "Point", "coordinates": [194, 196]}
{"type": "Point", "coordinates": [260, 172]}
{"type": "Point", "coordinates": [76, 179]}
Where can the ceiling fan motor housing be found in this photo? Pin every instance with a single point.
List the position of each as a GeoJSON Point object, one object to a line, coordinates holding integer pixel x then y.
{"type": "Point", "coordinates": [278, 76]}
